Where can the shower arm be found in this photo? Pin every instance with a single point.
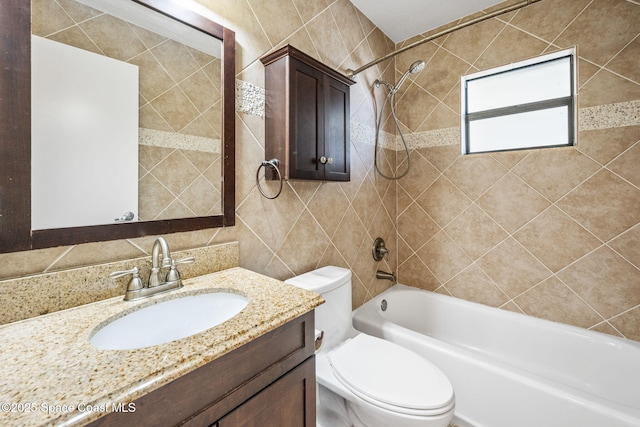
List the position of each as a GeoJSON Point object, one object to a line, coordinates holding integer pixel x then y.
{"type": "Point", "coordinates": [351, 73]}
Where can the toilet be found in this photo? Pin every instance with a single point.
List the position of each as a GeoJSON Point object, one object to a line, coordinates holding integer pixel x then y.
{"type": "Point", "coordinates": [365, 381]}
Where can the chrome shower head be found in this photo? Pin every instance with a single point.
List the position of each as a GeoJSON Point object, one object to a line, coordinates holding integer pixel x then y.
{"type": "Point", "coordinates": [415, 68]}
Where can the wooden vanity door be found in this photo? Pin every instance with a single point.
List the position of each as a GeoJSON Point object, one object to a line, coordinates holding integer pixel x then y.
{"type": "Point", "coordinates": [288, 402]}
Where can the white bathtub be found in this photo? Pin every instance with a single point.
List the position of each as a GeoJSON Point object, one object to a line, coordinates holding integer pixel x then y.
{"type": "Point", "coordinates": [508, 369]}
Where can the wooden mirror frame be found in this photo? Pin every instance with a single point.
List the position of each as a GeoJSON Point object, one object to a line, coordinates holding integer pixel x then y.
{"type": "Point", "coordinates": [15, 138]}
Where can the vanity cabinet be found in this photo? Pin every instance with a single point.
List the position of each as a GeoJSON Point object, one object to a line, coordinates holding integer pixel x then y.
{"type": "Point", "coordinates": [269, 381]}
{"type": "Point", "coordinates": [279, 404]}
{"type": "Point", "coordinates": [307, 117]}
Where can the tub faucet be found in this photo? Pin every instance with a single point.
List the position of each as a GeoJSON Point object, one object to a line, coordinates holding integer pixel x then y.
{"type": "Point", "coordinates": [386, 276]}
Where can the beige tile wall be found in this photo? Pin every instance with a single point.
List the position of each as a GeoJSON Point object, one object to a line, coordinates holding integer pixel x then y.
{"type": "Point", "coordinates": [552, 233]}
{"type": "Point", "coordinates": [499, 229]}
{"type": "Point", "coordinates": [310, 224]}
{"type": "Point", "coordinates": [177, 183]}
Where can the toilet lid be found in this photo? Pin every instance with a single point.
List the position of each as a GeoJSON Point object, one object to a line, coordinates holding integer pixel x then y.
{"type": "Point", "coordinates": [386, 374]}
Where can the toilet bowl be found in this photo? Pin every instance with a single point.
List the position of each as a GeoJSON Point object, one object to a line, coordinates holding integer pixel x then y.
{"type": "Point", "coordinates": [365, 381]}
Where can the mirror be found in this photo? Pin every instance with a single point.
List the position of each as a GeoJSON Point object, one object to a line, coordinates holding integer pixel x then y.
{"type": "Point", "coordinates": [185, 126]}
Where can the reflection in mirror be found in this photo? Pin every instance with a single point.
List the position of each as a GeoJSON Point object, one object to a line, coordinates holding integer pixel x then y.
{"type": "Point", "coordinates": [177, 128]}
{"type": "Point", "coordinates": [78, 24]}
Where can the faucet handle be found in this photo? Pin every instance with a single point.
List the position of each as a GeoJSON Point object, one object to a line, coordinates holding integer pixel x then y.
{"type": "Point", "coordinates": [135, 283]}
{"type": "Point", "coordinates": [173, 274]}
{"type": "Point", "coordinates": [187, 260]}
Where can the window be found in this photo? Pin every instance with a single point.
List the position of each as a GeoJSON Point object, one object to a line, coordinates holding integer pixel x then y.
{"type": "Point", "coordinates": [529, 104]}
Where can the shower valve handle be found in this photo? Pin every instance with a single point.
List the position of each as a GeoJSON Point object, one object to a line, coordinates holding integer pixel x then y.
{"type": "Point", "coordinates": [379, 249]}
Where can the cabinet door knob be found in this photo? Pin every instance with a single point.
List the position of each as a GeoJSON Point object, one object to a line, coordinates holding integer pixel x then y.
{"type": "Point", "coordinates": [324, 160]}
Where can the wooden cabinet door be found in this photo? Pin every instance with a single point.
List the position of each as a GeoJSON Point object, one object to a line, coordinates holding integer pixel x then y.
{"type": "Point", "coordinates": [336, 130]}
{"type": "Point", "coordinates": [288, 402]}
{"type": "Point", "coordinates": [319, 145]}
{"type": "Point", "coordinates": [306, 122]}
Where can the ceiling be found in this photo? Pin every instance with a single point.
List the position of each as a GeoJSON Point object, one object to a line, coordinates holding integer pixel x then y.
{"type": "Point", "coordinates": [403, 19]}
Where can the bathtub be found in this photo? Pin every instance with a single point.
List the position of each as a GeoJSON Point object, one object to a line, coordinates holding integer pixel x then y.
{"type": "Point", "coordinates": [508, 369]}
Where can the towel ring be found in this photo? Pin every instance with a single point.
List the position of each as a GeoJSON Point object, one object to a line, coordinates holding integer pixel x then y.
{"type": "Point", "coordinates": [273, 164]}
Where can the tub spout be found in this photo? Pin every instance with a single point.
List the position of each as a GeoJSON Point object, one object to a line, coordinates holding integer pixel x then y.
{"type": "Point", "coordinates": [386, 276]}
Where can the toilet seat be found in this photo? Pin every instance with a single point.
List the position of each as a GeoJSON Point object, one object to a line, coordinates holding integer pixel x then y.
{"type": "Point", "coordinates": [391, 377]}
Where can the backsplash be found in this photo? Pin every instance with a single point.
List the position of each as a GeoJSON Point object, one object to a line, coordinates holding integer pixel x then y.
{"type": "Point", "coordinates": [40, 294]}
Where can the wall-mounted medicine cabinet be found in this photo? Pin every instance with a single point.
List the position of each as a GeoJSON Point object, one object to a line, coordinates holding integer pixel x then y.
{"type": "Point", "coordinates": [307, 117]}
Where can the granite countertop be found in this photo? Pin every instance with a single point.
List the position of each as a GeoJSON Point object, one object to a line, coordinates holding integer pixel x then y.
{"type": "Point", "coordinates": [51, 374]}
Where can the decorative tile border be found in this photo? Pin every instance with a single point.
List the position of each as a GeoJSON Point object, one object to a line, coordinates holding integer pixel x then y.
{"type": "Point", "coordinates": [609, 116]}
{"type": "Point", "coordinates": [158, 138]}
{"type": "Point", "coordinates": [599, 117]}
{"type": "Point", "coordinates": [250, 99]}
{"type": "Point", "coordinates": [364, 134]}
{"type": "Point", "coordinates": [434, 138]}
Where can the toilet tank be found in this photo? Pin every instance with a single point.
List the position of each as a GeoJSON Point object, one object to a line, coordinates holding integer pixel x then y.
{"type": "Point", "coordinates": [334, 316]}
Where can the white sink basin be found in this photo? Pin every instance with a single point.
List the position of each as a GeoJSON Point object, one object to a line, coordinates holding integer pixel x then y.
{"type": "Point", "coordinates": [169, 321]}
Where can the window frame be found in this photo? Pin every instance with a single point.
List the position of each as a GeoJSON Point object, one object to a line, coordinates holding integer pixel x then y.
{"type": "Point", "coordinates": [568, 101]}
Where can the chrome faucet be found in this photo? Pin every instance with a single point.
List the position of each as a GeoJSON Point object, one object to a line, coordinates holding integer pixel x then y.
{"type": "Point", "coordinates": [155, 278]}
{"type": "Point", "coordinates": [386, 276]}
{"type": "Point", "coordinates": [157, 283]}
